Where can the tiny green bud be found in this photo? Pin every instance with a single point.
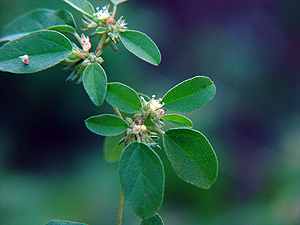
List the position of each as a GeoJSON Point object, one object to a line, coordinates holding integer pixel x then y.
{"type": "Point", "coordinates": [99, 60]}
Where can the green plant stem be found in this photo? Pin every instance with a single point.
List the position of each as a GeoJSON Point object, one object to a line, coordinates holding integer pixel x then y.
{"type": "Point", "coordinates": [117, 112]}
{"type": "Point", "coordinates": [77, 37]}
{"type": "Point", "coordinates": [156, 128]}
{"type": "Point", "coordinates": [114, 11]}
{"type": "Point", "coordinates": [101, 42]}
{"type": "Point", "coordinates": [120, 207]}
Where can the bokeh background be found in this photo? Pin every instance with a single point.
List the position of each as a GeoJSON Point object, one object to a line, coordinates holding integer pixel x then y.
{"type": "Point", "coordinates": [52, 167]}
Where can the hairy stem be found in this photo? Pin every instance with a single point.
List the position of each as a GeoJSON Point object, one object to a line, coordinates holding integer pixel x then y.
{"type": "Point", "coordinates": [114, 11]}
{"type": "Point", "coordinates": [77, 37]}
{"type": "Point", "coordinates": [156, 128]}
{"type": "Point", "coordinates": [101, 42]}
{"type": "Point", "coordinates": [120, 207]}
{"type": "Point", "coordinates": [117, 112]}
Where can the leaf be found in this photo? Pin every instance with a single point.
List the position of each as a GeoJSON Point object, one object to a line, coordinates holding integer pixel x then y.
{"type": "Point", "coordinates": [82, 6]}
{"type": "Point", "coordinates": [62, 29]}
{"type": "Point", "coordinates": [154, 220]}
{"type": "Point", "coordinates": [100, 30]}
{"type": "Point", "coordinates": [39, 19]}
{"type": "Point", "coordinates": [45, 49]}
{"type": "Point", "coordinates": [141, 46]}
{"type": "Point", "coordinates": [123, 97]}
{"type": "Point", "coordinates": [189, 95]}
{"type": "Point", "coordinates": [142, 179]}
{"type": "Point", "coordinates": [63, 222]}
{"type": "Point", "coordinates": [112, 149]}
{"type": "Point", "coordinates": [191, 155]}
{"type": "Point", "coordinates": [116, 2]}
{"type": "Point", "coordinates": [106, 125]}
{"type": "Point", "coordinates": [95, 83]}
{"type": "Point", "coordinates": [178, 120]}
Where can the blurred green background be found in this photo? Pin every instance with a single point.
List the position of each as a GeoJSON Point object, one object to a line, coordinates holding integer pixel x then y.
{"type": "Point", "coordinates": [52, 167]}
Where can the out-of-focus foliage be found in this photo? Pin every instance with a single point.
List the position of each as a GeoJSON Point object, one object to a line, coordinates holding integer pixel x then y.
{"type": "Point", "coordinates": [250, 50]}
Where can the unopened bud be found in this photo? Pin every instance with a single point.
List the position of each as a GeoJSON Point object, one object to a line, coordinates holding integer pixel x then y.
{"type": "Point", "coordinates": [85, 43]}
{"type": "Point", "coordinates": [160, 113]}
{"type": "Point", "coordinates": [143, 128]}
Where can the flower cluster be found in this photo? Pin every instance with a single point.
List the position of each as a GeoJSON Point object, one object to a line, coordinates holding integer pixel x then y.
{"type": "Point", "coordinates": [139, 132]}
{"type": "Point", "coordinates": [113, 29]}
{"type": "Point", "coordinates": [150, 114]}
{"type": "Point", "coordinates": [85, 43]}
{"type": "Point", "coordinates": [153, 110]}
{"type": "Point", "coordinates": [102, 14]}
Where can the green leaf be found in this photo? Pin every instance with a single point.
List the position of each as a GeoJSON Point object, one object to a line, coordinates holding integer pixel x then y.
{"type": "Point", "coordinates": [82, 6]}
{"type": "Point", "coordinates": [112, 149]}
{"type": "Point", "coordinates": [95, 83]}
{"type": "Point", "coordinates": [106, 125]}
{"type": "Point", "coordinates": [189, 95]}
{"type": "Point", "coordinates": [62, 29]}
{"type": "Point", "coordinates": [100, 30]}
{"type": "Point", "coordinates": [63, 222]}
{"type": "Point", "coordinates": [39, 19]}
{"type": "Point", "coordinates": [154, 220]}
{"type": "Point", "coordinates": [191, 156]}
{"type": "Point", "coordinates": [142, 179]}
{"type": "Point", "coordinates": [116, 2]}
{"type": "Point", "coordinates": [45, 49]}
{"type": "Point", "coordinates": [123, 97]}
{"type": "Point", "coordinates": [178, 120]}
{"type": "Point", "coordinates": [141, 46]}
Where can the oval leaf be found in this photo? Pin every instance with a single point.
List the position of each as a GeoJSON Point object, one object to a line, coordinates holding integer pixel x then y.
{"type": "Point", "coordinates": [178, 120]}
{"type": "Point", "coordinates": [116, 2]}
{"type": "Point", "coordinates": [45, 49]}
{"type": "Point", "coordinates": [141, 46]}
{"type": "Point", "coordinates": [123, 97]}
{"type": "Point", "coordinates": [100, 30]}
{"type": "Point", "coordinates": [142, 179]}
{"type": "Point", "coordinates": [154, 220]}
{"type": "Point", "coordinates": [39, 19]}
{"type": "Point", "coordinates": [82, 6]}
{"type": "Point", "coordinates": [106, 125]}
{"type": "Point", "coordinates": [95, 83]}
{"type": "Point", "coordinates": [189, 95]}
{"type": "Point", "coordinates": [191, 156]}
{"type": "Point", "coordinates": [63, 222]}
{"type": "Point", "coordinates": [112, 149]}
{"type": "Point", "coordinates": [62, 29]}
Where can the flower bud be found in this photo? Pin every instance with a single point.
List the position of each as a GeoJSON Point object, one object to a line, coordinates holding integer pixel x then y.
{"type": "Point", "coordinates": [85, 43]}
{"type": "Point", "coordinates": [143, 128]}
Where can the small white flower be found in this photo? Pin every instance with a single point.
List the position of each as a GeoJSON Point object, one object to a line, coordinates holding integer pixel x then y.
{"type": "Point", "coordinates": [136, 129]}
{"type": "Point", "coordinates": [102, 14]}
{"type": "Point", "coordinates": [85, 43]}
{"type": "Point", "coordinates": [160, 113]}
{"type": "Point", "coordinates": [25, 59]}
{"type": "Point", "coordinates": [155, 103]}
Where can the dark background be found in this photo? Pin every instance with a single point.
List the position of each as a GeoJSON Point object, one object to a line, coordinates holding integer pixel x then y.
{"type": "Point", "coordinates": [52, 167]}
